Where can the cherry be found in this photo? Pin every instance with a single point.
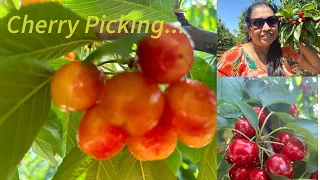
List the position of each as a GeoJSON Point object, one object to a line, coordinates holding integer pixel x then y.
{"type": "Point", "coordinates": [168, 58]}
{"type": "Point", "coordinates": [255, 163]}
{"type": "Point", "coordinates": [258, 174]}
{"type": "Point", "coordinates": [97, 138]}
{"type": "Point", "coordinates": [239, 172]}
{"type": "Point", "coordinates": [227, 157]}
{"type": "Point", "coordinates": [301, 14]}
{"type": "Point", "coordinates": [291, 21]}
{"type": "Point", "coordinates": [157, 144]}
{"type": "Point", "coordinates": [314, 175]}
{"type": "Point", "coordinates": [195, 141]}
{"type": "Point", "coordinates": [192, 109]}
{"type": "Point", "coordinates": [243, 152]}
{"type": "Point", "coordinates": [282, 137]}
{"type": "Point", "coordinates": [263, 116]}
{"type": "Point", "coordinates": [279, 164]}
{"type": "Point", "coordinates": [295, 149]}
{"type": "Point", "coordinates": [245, 127]}
{"type": "Point", "coordinates": [76, 86]}
{"type": "Point", "coordinates": [293, 110]}
{"type": "Point", "coordinates": [131, 101]}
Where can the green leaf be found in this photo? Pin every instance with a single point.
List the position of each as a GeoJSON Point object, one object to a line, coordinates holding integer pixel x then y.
{"type": "Point", "coordinates": [41, 43]}
{"type": "Point", "coordinates": [133, 169]}
{"type": "Point", "coordinates": [25, 104]}
{"type": "Point", "coordinates": [308, 6]}
{"type": "Point", "coordinates": [58, 63]}
{"type": "Point", "coordinates": [299, 168]}
{"type": "Point", "coordinates": [284, 117]}
{"type": "Point", "coordinates": [193, 154]}
{"type": "Point", "coordinates": [275, 177]}
{"type": "Point", "coordinates": [229, 111]}
{"type": "Point", "coordinates": [131, 9]}
{"type": "Point", "coordinates": [297, 32]}
{"type": "Point", "coordinates": [47, 142]}
{"type": "Point", "coordinates": [223, 122]}
{"type": "Point", "coordinates": [254, 87]}
{"type": "Point", "coordinates": [208, 162]}
{"type": "Point", "coordinates": [77, 164]}
{"type": "Point", "coordinates": [70, 129]}
{"type": "Point", "coordinates": [7, 4]}
{"type": "Point", "coordinates": [270, 95]}
{"type": "Point", "coordinates": [230, 89]}
{"type": "Point", "coordinates": [312, 162]}
{"type": "Point", "coordinates": [3, 11]}
{"type": "Point", "coordinates": [122, 47]}
{"type": "Point", "coordinates": [203, 72]}
{"type": "Point", "coordinates": [15, 175]}
{"type": "Point", "coordinates": [248, 112]}
{"type": "Point", "coordinates": [174, 161]}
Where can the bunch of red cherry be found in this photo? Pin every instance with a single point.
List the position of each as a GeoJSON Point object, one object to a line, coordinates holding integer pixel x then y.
{"type": "Point", "coordinates": [247, 150]}
{"type": "Point", "coordinates": [131, 109]}
{"type": "Point", "coordinates": [302, 18]}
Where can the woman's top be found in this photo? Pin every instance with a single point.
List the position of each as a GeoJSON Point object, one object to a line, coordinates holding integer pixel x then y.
{"type": "Point", "coordinates": [236, 62]}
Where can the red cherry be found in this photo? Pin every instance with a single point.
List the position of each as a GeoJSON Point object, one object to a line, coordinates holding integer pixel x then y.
{"type": "Point", "coordinates": [264, 114]}
{"type": "Point", "coordinates": [295, 149]}
{"type": "Point", "coordinates": [157, 144]}
{"type": "Point", "coordinates": [314, 175]}
{"type": "Point", "coordinates": [254, 163]}
{"type": "Point", "coordinates": [167, 58]}
{"type": "Point", "coordinates": [133, 102]}
{"type": "Point", "coordinates": [258, 174]}
{"type": "Point", "coordinates": [279, 164]}
{"type": "Point", "coordinates": [281, 138]}
{"type": "Point", "coordinates": [227, 157]}
{"type": "Point", "coordinates": [76, 86]}
{"type": "Point", "coordinates": [293, 110]}
{"type": "Point", "coordinates": [97, 138]}
{"type": "Point", "coordinates": [301, 14]}
{"type": "Point", "coordinates": [192, 111]}
{"type": "Point", "coordinates": [243, 152]}
{"type": "Point", "coordinates": [245, 127]}
{"type": "Point", "coordinates": [239, 172]}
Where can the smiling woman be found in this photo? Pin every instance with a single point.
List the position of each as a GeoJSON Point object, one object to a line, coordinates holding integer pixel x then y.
{"type": "Point", "coordinates": [263, 55]}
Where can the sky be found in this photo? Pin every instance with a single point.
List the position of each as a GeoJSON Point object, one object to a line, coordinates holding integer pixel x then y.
{"type": "Point", "coordinates": [230, 10]}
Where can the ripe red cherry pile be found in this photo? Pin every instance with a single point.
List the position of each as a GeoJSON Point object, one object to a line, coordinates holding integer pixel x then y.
{"type": "Point", "coordinates": [244, 152]}
{"type": "Point", "coordinates": [130, 108]}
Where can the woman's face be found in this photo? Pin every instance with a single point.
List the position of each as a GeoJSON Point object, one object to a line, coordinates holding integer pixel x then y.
{"type": "Point", "coordinates": [263, 31]}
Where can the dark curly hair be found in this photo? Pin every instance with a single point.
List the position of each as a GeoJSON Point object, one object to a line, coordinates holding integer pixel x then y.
{"type": "Point", "coordinates": [275, 51]}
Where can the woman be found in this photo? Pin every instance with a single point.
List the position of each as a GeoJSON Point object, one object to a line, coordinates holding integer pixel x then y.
{"type": "Point", "coordinates": [263, 55]}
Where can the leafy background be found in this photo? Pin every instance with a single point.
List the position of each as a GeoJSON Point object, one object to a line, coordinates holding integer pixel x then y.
{"type": "Point", "coordinates": [274, 94]}
{"type": "Point", "coordinates": [40, 141]}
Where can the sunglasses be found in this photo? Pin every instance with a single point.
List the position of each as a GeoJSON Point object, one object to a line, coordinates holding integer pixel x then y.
{"type": "Point", "coordinates": [258, 23]}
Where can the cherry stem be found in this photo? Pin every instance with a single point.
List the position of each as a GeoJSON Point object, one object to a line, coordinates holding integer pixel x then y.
{"type": "Point", "coordinates": [240, 133]}
{"type": "Point", "coordinates": [105, 62]}
{"type": "Point", "coordinates": [269, 147]}
{"type": "Point", "coordinates": [265, 122]}
{"type": "Point", "coordinates": [266, 150]}
{"type": "Point", "coordinates": [278, 129]}
{"type": "Point", "coordinates": [261, 160]}
{"type": "Point", "coordinates": [273, 142]}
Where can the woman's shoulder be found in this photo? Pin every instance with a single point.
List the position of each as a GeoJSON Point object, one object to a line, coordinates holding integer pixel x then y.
{"type": "Point", "coordinates": [233, 53]}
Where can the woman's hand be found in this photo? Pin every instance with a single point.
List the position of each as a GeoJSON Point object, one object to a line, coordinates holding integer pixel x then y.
{"type": "Point", "coordinates": [311, 59]}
